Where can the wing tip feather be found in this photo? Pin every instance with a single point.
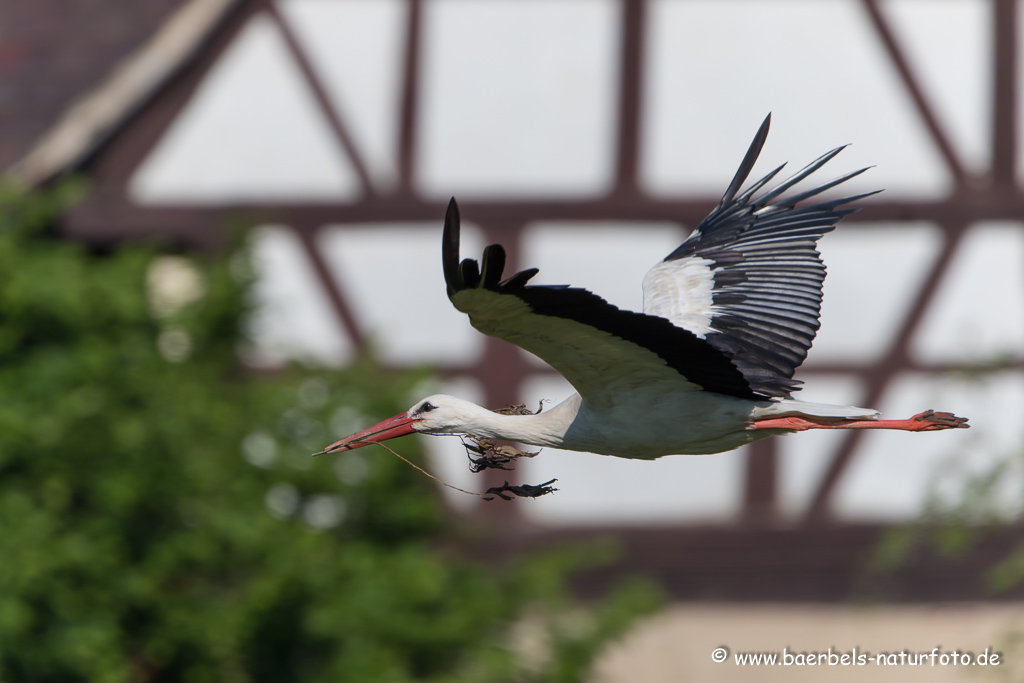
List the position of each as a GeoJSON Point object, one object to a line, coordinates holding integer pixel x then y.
{"type": "Point", "coordinates": [450, 249]}
{"type": "Point", "coordinates": [749, 159]}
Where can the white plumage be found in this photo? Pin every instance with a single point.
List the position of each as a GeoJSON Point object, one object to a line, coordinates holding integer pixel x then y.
{"type": "Point", "coordinates": [683, 292]}
{"type": "Point", "coordinates": [707, 367]}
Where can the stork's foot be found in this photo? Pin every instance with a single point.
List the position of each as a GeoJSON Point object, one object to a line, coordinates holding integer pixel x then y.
{"type": "Point", "coordinates": [521, 490]}
{"type": "Point", "coordinates": [928, 421]}
{"type": "Point", "coordinates": [491, 455]}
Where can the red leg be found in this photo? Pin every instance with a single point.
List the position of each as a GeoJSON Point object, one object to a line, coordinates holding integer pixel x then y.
{"type": "Point", "coordinates": [928, 421]}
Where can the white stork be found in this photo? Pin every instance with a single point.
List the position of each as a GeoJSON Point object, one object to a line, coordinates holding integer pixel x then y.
{"type": "Point", "coordinates": [707, 367]}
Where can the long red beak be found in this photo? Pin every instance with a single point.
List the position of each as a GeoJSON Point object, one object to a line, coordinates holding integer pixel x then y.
{"type": "Point", "coordinates": [399, 425]}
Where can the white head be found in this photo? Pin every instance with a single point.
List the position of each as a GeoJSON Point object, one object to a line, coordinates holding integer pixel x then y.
{"type": "Point", "coordinates": [443, 414]}
{"type": "Point", "coordinates": [437, 414]}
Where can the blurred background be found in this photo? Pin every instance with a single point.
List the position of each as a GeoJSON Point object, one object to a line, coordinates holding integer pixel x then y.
{"type": "Point", "coordinates": [268, 177]}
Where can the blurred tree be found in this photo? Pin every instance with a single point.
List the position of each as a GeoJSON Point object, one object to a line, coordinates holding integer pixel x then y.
{"type": "Point", "coordinates": [964, 507]}
{"type": "Point", "coordinates": [161, 518]}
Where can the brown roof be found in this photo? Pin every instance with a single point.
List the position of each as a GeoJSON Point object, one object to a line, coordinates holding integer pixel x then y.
{"type": "Point", "coordinates": [71, 73]}
{"type": "Point", "coordinates": [53, 51]}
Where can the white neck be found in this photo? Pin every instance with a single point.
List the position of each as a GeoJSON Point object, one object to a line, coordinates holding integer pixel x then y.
{"type": "Point", "coordinates": [546, 428]}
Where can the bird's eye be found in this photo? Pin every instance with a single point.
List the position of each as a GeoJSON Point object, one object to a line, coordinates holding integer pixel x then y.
{"type": "Point", "coordinates": [426, 407]}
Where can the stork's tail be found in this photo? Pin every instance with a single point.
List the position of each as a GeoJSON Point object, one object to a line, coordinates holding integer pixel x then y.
{"type": "Point", "coordinates": [788, 406]}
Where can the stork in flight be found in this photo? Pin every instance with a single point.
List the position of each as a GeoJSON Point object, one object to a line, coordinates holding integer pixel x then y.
{"type": "Point", "coordinates": [707, 367]}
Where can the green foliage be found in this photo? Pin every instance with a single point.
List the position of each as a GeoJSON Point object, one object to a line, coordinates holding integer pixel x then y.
{"type": "Point", "coordinates": [978, 504]}
{"type": "Point", "coordinates": [573, 649]}
{"type": "Point", "coordinates": [161, 519]}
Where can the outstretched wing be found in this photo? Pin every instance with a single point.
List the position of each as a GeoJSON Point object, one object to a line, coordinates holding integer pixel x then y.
{"type": "Point", "coordinates": [599, 348]}
{"type": "Point", "coordinates": [748, 280]}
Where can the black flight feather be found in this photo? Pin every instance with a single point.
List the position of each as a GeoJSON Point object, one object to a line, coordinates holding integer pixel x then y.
{"type": "Point", "coordinates": [766, 268]}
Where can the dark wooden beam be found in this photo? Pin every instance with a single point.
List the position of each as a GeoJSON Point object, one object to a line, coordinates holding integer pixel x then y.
{"type": "Point", "coordinates": [760, 485]}
{"type": "Point", "coordinates": [823, 565]}
{"type": "Point", "coordinates": [331, 113]}
{"type": "Point", "coordinates": [630, 80]}
{"type": "Point", "coordinates": [408, 120]}
{"type": "Point", "coordinates": [329, 284]}
{"type": "Point", "coordinates": [857, 368]}
{"type": "Point", "coordinates": [897, 359]}
{"type": "Point", "coordinates": [106, 218]}
{"type": "Point", "coordinates": [914, 90]}
{"type": "Point", "coordinates": [1005, 88]}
